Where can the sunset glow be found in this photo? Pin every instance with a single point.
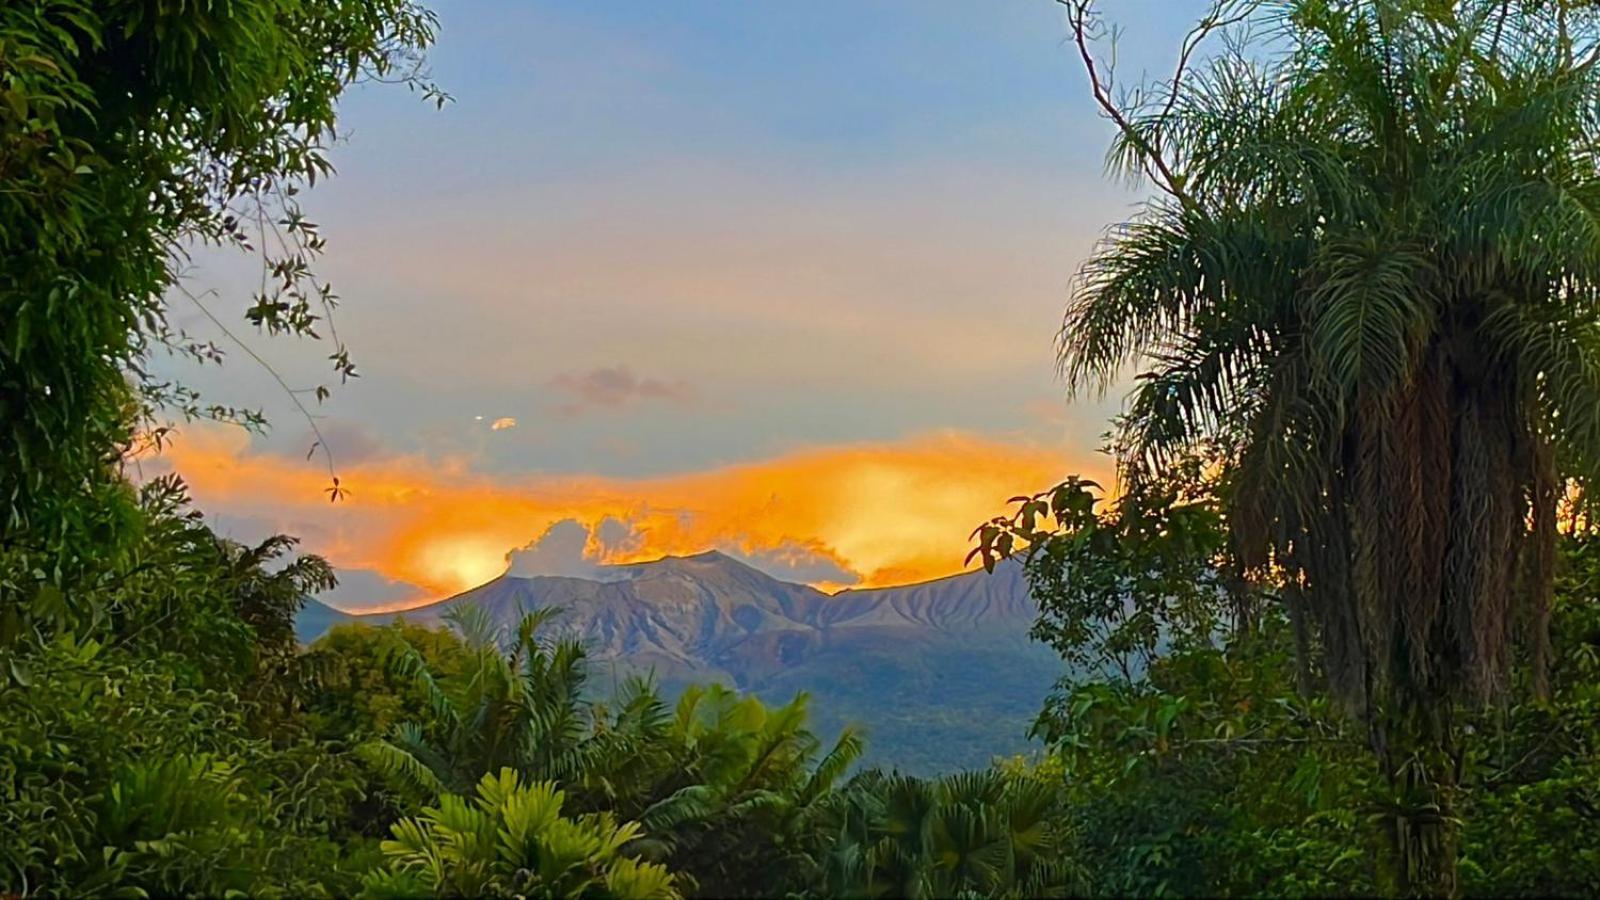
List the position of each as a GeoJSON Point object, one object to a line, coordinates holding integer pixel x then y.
{"type": "Point", "coordinates": [876, 513]}
{"type": "Point", "coordinates": [722, 296]}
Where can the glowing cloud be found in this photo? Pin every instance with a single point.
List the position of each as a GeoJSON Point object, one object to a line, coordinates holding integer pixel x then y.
{"type": "Point", "coordinates": [878, 513]}
{"type": "Point", "coordinates": [502, 423]}
{"type": "Point", "coordinates": [568, 548]}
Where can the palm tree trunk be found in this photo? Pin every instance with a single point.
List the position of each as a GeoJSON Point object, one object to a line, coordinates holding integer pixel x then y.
{"type": "Point", "coordinates": [1422, 837]}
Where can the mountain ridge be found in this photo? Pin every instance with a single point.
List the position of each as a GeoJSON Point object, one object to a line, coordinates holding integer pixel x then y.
{"type": "Point", "coordinates": [692, 607]}
{"type": "Point", "coordinates": [954, 650]}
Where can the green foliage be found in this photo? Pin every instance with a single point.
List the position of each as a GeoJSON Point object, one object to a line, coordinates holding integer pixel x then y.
{"type": "Point", "coordinates": [733, 767]}
{"type": "Point", "coordinates": [171, 586]}
{"type": "Point", "coordinates": [156, 744]}
{"type": "Point", "coordinates": [1368, 287]}
{"type": "Point", "coordinates": [1118, 583]}
{"type": "Point", "coordinates": [360, 692]}
{"type": "Point", "coordinates": [124, 771]}
{"type": "Point", "coordinates": [511, 840]}
{"type": "Point", "coordinates": [163, 752]}
{"type": "Point", "coordinates": [1531, 806]}
{"type": "Point", "coordinates": [520, 709]}
{"type": "Point", "coordinates": [725, 788]}
{"type": "Point", "coordinates": [976, 834]}
{"type": "Point", "coordinates": [129, 132]}
{"type": "Point", "coordinates": [1211, 776]}
{"type": "Point", "coordinates": [1216, 769]}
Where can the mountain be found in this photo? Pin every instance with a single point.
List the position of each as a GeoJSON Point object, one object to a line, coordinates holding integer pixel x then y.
{"type": "Point", "coordinates": [315, 618]}
{"type": "Point", "coordinates": [940, 674]}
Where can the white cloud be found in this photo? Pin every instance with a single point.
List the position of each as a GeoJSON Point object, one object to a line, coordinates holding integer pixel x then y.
{"type": "Point", "coordinates": [571, 549]}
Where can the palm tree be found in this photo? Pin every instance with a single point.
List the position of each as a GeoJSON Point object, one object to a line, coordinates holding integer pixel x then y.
{"type": "Point", "coordinates": [982, 834]}
{"type": "Point", "coordinates": [739, 768]}
{"type": "Point", "coordinates": [700, 781]}
{"type": "Point", "coordinates": [1371, 275]}
{"type": "Point", "coordinates": [512, 840]}
{"type": "Point", "coordinates": [521, 708]}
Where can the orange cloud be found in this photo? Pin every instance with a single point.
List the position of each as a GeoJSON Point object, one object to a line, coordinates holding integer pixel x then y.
{"type": "Point", "coordinates": [889, 513]}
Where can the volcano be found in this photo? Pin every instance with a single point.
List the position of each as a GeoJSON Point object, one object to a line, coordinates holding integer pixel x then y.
{"type": "Point", "coordinates": [940, 674]}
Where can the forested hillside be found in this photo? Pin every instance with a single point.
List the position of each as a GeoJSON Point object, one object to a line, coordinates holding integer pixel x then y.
{"type": "Point", "coordinates": [937, 676]}
{"type": "Point", "coordinates": [1344, 601]}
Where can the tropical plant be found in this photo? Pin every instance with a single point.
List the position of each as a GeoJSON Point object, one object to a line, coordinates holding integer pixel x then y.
{"type": "Point", "coordinates": [978, 834]}
{"type": "Point", "coordinates": [511, 840]}
{"type": "Point", "coordinates": [1215, 771]}
{"type": "Point", "coordinates": [701, 780]}
{"type": "Point", "coordinates": [520, 708]}
{"type": "Point", "coordinates": [122, 772]}
{"type": "Point", "coordinates": [1531, 799]}
{"type": "Point", "coordinates": [360, 693]}
{"type": "Point", "coordinates": [737, 768]}
{"type": "Point", "coordinates": [150, 732]}
{"type": "Point", "coordinates": [1368, 280]}
{"type": "Point", "coordinates": [1212, 776]}
{"type": "Point", "coordinates": [1119, 581]}
{"type": "Point", "coordinates": [130, 134]}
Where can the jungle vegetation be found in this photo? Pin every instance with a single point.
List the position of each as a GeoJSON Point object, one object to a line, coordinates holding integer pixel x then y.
{"type": "Point", "coordinates": [1344, 600]}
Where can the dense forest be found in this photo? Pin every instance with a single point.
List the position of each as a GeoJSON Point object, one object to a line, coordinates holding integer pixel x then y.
{"type": "Point", "coordinates": [1343, 603]}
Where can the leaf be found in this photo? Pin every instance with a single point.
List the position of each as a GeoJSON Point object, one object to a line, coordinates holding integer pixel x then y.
{"type": "Point", "coordinates": [19, 672]}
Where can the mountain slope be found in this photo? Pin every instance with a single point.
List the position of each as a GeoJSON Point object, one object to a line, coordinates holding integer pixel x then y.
{"type": "Point", "coordinates": [315, 618]}
{"type": "Point", "coordinates": [941, 674]}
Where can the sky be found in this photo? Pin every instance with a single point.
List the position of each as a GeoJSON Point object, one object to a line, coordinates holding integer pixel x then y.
{"type": "Point", "coordinates": [778, 279]}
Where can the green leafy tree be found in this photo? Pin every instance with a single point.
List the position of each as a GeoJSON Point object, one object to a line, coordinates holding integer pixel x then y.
{"type": "Point", "coordinates": [511, 840]}
{"type": "Point", "coordinates": [121, 771]}
{"type": "Point", "coordinates": [736, 768]}
{"type": "Point", "coordinates": [520, 708]}
{"type": "Point", "coordinates": [1215, 770]}
{"type": "Point", "coordinates": [360, 693]}
{"type": "Point", "coordinates": [1212, 776]}
{"type": "Point", "coordinates": [977, 834]}
{"type": "Point", "coordinates": [1119, 582]}
{"type": "Point", "coordinates": [130, 133]}
{"type": "Point", "coordinates": [1530, 804]}
{"type": "Point", "coordinates": [1367, 278]}
{"type": "Point", "coordinates": [158, 746]}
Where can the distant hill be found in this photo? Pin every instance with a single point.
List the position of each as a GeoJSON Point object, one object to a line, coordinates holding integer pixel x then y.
{"type": "Point", "coordinates": [316, 618]}
{"type": "Point", "coordinates": [941, 674]}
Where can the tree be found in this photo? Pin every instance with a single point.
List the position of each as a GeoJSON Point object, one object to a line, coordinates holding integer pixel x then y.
{"type": "Point", "coordinates": [512, 840]}
{"type": "Point", "coordinates": [520, 708]}
{"type": "Point", "coordinates": [1213, 769]}
{"type": "Point", "coordinates": [164, 752]}
{"type": "Point", "coordinates": [1369, 280]}
{"type": "Point", "coordinates": [736, 768]}
{"type": "Point", "coordinates": [726, 789]}
{"type": "Point", "coordinates": [1118, 582]}
{"type": "Point", "coordinates": [131, 133]}
{"type": "Point", "coordinates": [983, 834]}
{"type": "Point", "coordinates": [360, 695]}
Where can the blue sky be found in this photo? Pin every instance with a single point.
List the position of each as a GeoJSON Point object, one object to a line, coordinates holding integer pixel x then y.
{"type": "Point", "coordinates": [671, 237]}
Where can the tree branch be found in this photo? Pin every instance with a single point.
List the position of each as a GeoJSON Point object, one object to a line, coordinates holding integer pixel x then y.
{"type": "Point", "coordinates": [335, 492]}
{"type": "Point", "coordinates": [1162, 171]}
